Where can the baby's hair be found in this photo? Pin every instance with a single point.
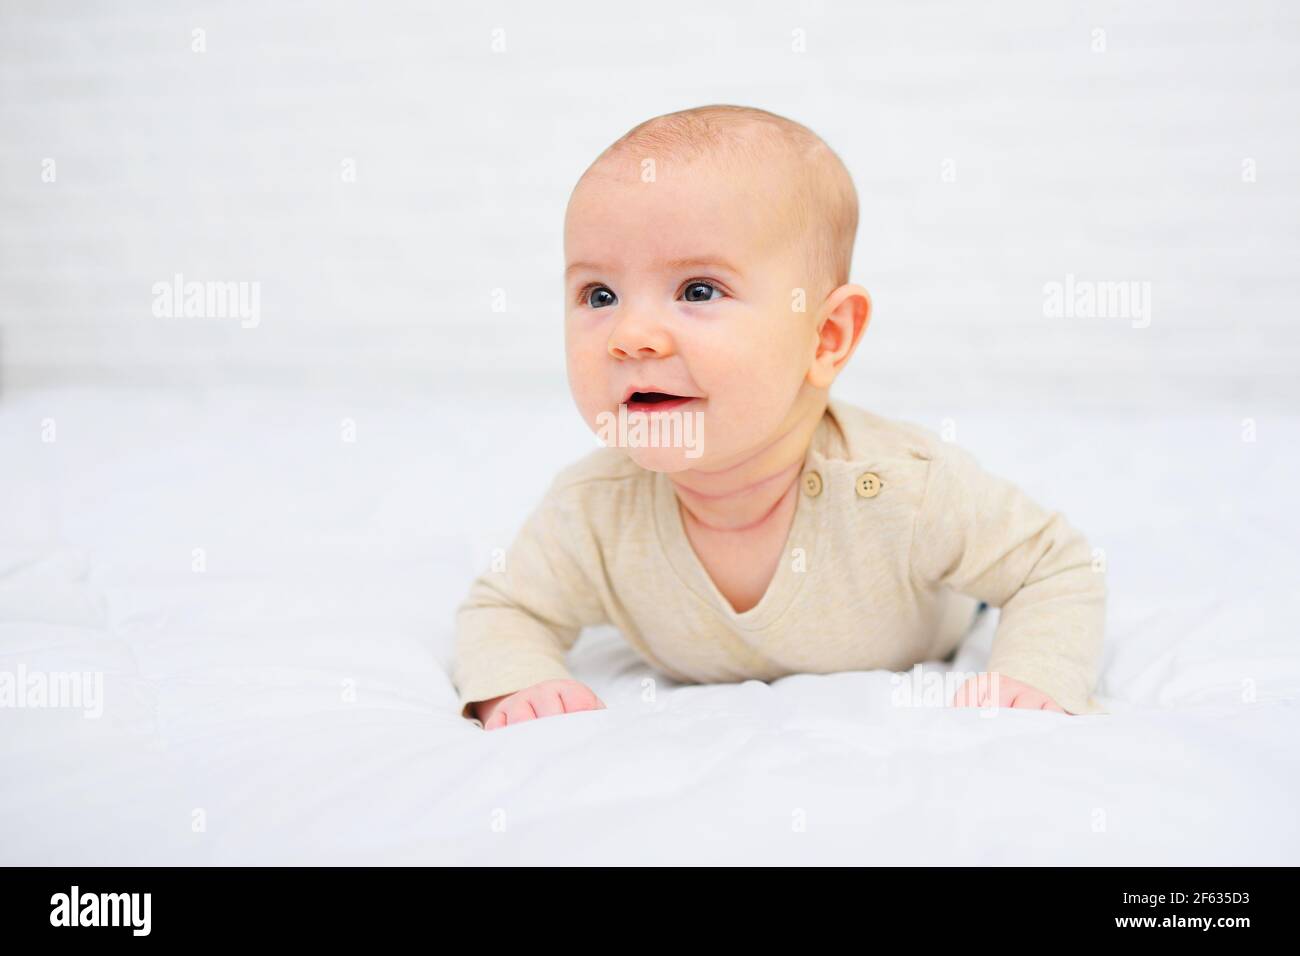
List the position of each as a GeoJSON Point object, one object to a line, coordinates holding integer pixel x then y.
{"type": "Point", "coordinates": [823, 203]}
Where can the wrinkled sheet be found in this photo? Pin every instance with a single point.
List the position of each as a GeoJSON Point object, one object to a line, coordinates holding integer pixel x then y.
{"type": "Point", "coordinates": [270, 605]}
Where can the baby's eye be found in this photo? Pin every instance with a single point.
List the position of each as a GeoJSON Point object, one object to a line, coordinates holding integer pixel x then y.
{"type": "Point", "coordinates": [598, 296]}
{"type": "Point", "coordinates": [700, 291]}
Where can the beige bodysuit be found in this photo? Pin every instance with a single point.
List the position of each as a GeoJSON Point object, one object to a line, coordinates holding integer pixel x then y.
{"type": "Point", "coordinates": [896, 537]}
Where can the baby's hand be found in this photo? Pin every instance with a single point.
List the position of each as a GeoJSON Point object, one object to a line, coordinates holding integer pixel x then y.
{"type": "Point", "coordinates": [977, 692]}
{"type": "Point", "coordinates": [546, 699]}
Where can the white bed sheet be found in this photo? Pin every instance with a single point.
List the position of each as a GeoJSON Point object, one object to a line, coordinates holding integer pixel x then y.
{"type": "Point", "coordinates": [293, 696]}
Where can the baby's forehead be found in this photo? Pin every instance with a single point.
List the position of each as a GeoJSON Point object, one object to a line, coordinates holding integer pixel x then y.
{"type": "Point", "coordinates": [631, 168]}
{"type": "Point", "coordinates": [691, 216]}
{"type": "Point", "coordinates": [634, 190]}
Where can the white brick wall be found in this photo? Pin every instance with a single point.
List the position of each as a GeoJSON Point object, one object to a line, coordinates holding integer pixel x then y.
{"type": "Point", "coordinates": [226, 165]}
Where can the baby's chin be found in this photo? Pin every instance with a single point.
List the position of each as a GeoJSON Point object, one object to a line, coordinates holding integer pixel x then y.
{"type": "Point", "coordinates": [666, 460]}
{"type": "Point", "coordinates": [668, 442]}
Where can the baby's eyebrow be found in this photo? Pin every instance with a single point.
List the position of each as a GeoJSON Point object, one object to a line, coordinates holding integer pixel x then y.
{"type": "Point", "coordinates": [700, 262]}
{"type": "Point", "coordinates": [671, 265]}
{"type": "Point", "coordinates": [576, 266]}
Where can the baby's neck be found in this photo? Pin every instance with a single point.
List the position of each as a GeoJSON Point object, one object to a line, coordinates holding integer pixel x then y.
{"type": "Point", "coordinates": [745, 495]}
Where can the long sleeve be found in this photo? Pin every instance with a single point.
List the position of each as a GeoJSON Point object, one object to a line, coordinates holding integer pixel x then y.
{"type": "Point", "coordinates": [519, 621]}
{"type": "Point", "coordinates": [979, 534]}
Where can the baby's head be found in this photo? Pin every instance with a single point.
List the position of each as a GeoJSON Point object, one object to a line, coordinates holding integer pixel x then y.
{"type": "Point", "coordinates": [707, 257]}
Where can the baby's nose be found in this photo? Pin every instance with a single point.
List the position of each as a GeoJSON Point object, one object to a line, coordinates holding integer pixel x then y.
{"type": "Point", "coordinates": [637, 338]}
{"type": "Point", "coordinates": [644, 351]}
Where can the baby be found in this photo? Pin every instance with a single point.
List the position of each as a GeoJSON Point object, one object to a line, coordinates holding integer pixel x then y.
{"type": "Point", "coordinates": [743, 524]}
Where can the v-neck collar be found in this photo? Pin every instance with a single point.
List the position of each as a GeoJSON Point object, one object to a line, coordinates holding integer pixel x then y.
{"type": "Point", "coordinates": [805, 532]}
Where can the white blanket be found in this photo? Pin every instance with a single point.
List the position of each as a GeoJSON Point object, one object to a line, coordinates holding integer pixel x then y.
{"type": "Point", "coordinates": [270, 605]}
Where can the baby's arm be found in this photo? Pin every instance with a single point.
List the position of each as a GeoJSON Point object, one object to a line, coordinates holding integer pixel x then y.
{"type": "Point", "coordinates": [981, 535]}
{"type": "Point", "coordinates": [517, 624]}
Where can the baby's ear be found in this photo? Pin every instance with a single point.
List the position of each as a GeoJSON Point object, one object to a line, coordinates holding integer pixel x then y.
{"type": "Point", "coordinates": [843, 318]}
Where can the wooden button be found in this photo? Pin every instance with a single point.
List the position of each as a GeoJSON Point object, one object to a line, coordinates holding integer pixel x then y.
{"type": "Point", "coordinates": [868, 484]}
{"type": "Point", "coordinates": [812, 484]}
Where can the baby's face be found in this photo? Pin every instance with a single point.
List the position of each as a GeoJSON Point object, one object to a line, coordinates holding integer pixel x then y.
{"type": "Point", "coordinates": [686, 286]}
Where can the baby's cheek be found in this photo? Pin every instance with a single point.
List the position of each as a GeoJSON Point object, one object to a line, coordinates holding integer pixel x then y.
{"type": "Point", "coordinates": [757, 365]}
{"type": "Point", "coordinates": [746, 414]}
{"type": "Point", "coordinates": [779, 365]}
{"type": "Point", "coordinates": [587, 355]}
{"type": "Point", "coordinates": [586, 393]}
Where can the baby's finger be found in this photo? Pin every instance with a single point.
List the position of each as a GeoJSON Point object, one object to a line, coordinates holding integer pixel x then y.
{"type": "Point", "coordinates": [546, 703]}
{"type": "Point", "coordinates": [519, 710]}
{"type": "Point", "coordinates": [988, 690]}
{"type": "Point", "coordinates": [1030, 700]}
{"type": "Point", "coordinates": [962, 697]}
{"type": "Point", "coordinates": [576, 698]}
{"type": "Point", "coordinates": [971, 694]}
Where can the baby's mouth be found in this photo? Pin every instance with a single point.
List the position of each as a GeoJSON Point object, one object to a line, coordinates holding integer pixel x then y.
{"type": "Point", "coordinates": [651, 398]}
{"type": "Point", "coordinates": [655, 401]}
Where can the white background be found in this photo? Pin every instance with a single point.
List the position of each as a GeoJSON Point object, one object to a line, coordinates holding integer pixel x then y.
{"type": "Point", "coordinates": [226, 166]}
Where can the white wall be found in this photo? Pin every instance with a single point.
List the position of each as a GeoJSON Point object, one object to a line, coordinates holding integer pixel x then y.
{"type": "Point", "coordinates": [226, 165]}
